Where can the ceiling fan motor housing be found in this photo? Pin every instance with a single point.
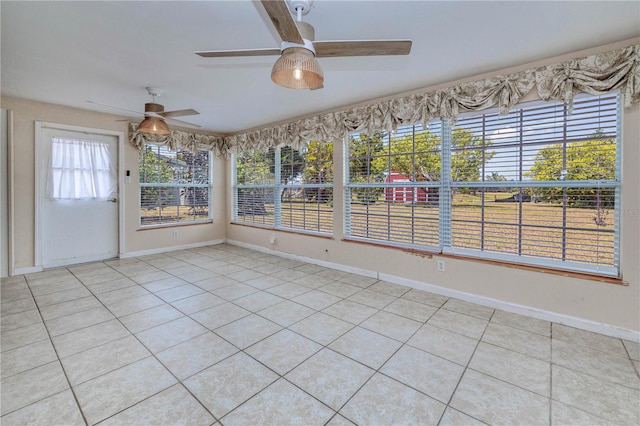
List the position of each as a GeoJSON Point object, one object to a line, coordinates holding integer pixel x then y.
{"type": "Point", "coordinates": [153, 107]}
{"type": "Point", "coordinates": [306, 30]}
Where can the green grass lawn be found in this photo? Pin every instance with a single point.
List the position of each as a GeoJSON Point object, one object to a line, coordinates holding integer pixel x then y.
{"type": "Point", "coordinates": [540, 229]}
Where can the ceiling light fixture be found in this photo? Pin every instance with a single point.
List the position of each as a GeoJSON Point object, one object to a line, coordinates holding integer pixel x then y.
{"type": "Point", "coordinates": [297, 66]}
{"type": "Point", "coordinates": [154, 126]}
{"type": "Point", "coordinates": [153, 122]}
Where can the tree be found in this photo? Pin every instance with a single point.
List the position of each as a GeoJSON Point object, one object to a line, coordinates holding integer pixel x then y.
{"type": "Point", "coordinates": [363, 151]}
{"type": "Point", "coordinates": [318, 168]}
{"type": "Point", "coordinates": [415, 156]}
{"type": "Point", "coordinates": [197, 173]}
{"type": "Point", "coordinates": [419, 156]}
{"type": "Point", "coordinates": [593, 159]}
{"type": "Point", "coordinates": [364, 165]}
{"type": "Point", "coordinates": [291, 163]}
{"type": "Point", "coordinates": [154, 169]}
{"type": "Point", "coordinates": [254, 168]}
{"type": "Point", "coordinates": [495, 177]}
{"type": "Point", "coordinates": [468, 153]}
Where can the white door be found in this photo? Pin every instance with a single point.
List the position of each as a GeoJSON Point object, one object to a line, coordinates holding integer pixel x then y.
{"type": "Point", "coordinates": [77, 227]}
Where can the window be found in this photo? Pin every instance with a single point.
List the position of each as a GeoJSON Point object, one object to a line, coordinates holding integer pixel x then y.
{"type": "Point", "coordinates": [393, 186]}
{"type": "Point", "coordinates": [80, 169]}
{"type": "Point", "coordinates": [175, 186]}
{"type": "Point", "coordinates": [286, 188]}
{"type": "Point", "coordinates": [539, 186]}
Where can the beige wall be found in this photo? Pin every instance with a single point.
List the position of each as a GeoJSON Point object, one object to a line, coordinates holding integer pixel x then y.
{"type": "Point", "coordinates": [25, 114]}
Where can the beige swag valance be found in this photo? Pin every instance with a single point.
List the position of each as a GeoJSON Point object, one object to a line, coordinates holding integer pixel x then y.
{"type": "Point", "coordinates": [179, 140]}
{"type": "Point", "coordinates": [596, 74]}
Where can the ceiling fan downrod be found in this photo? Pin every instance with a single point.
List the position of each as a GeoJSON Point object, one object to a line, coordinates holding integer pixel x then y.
{"type": "Point", "coordinates": [299, 8]}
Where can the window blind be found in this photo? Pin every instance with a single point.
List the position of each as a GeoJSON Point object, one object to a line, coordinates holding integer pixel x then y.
{"type": "Point", "coordinates": [549, 184]}
{"type": "Point", "coordinates": [286, 188]}
{"type": "Point", "coordinates": [175, 186]}
{"type": "Point", "coordinates": [393, 186]}
{"type": "Point", "coordinates": [538, 186]}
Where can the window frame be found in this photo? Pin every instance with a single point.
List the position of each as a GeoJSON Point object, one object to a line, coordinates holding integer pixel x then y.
{"type": "Point", "coordinates": [448, 185]}
{"type": "Point", "coordinates": [208, 186]}
{"type": "Point", "coordinates": [277, 187]}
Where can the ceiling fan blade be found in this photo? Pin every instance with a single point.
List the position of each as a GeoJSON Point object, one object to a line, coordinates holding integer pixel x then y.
{"type": "Point", "coordinates": [169, 120]}
{"type": "Point", "coordinates": [328, 49]}
{"type": "Point", "coordinates": [282, 20]}
{"type": "Point", "coordinates": [179, 113]}
{"type": "Point", "coordinates": [181, 123]}
{"type": "Point", "coordinates": [115, 107]}
{"type": "Point", "coordinates": [239, 52]}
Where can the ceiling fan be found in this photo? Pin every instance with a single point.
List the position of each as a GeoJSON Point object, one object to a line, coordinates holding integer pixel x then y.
{"type": "Point", "coordinates": [155, 117]}
{"type": "Point", "coordinates": [297, 67]}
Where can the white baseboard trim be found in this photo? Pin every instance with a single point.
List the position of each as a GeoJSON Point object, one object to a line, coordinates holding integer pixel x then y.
{"type": "Point", "coordinates": [169, 249]}
{"type": "Point", "coordinates": [515, 308]}
{"type": "Point", "coordinates": [326, 264]}
{"type": "Point", "coordinates": [27, 270]}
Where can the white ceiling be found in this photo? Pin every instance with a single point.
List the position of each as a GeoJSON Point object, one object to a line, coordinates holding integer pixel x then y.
{"type": "Point", "coordinates": [108, 52]}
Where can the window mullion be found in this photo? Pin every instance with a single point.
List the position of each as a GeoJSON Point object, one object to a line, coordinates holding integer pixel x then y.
{"type": "Point", "coordinates": [346, 179]}
{"type": "Point", "coordinates": [617, 190]}
{"type": "Point", "coordinates": [445, 179]}
{"type": "Point", "coordinates": [234, 183]}
{"type": "Point", "coordinates": [277, 204]}
{"type": "Point", "coordinates": [520, 176]}
{"type": "Point", "coordinates": [482, 178]}
{"type": "Point", "coordinates": [563, 177]}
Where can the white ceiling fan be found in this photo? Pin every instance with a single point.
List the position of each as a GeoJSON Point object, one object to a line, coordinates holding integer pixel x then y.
{"type": "Point", "coordinates": [297, 67]}
{"type": "Point", "coordinates": [155, 115]}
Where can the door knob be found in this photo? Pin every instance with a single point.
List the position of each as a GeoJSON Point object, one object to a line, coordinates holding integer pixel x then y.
{"type": "Point", "coordinates": [113, 200]}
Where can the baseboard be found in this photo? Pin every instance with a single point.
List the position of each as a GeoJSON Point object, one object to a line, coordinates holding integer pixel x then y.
{"type": "Point", "coordinates": [33, 269]}
{"type": "Point", "coordinates": [515, 308]}
{"type": "Point", "coordinates": [27, 270]}
{"type": "Point", "coordinates": [326, 264]}
{"type": "Point", "coordinates": [169, 249]}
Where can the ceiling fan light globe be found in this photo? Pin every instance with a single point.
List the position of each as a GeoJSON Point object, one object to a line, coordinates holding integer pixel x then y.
{"type": "Point", "coordinates": [154, 126]}
{"type": "Point", "coordinates": [297, 68]}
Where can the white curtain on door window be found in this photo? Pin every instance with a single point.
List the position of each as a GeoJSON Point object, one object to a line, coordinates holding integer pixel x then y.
{"type": "Point", "coordinates": [80, 170]}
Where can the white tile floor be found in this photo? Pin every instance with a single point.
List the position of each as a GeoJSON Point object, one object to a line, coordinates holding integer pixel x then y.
{"type": "Point", "coordinates": [205, 336]}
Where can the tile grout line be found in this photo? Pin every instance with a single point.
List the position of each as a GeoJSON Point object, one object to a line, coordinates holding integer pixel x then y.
{"type": "Point", "coordinates": [180, 382]}
{"type": "Point", "coordinates": [375, 371]}
{"type": "Point", "coordinates": [64, 371]}
{"type": "Point", "coordinates": [298, 364]}
{"type": "Point", "coordinates": [152, 354]}
{"type": "Point", "coordinates": [464, 371]}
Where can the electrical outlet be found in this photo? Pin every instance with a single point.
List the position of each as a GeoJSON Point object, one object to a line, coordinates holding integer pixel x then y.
{"type": "Point", "coordinates": [272, 239]}
{"type": "Point", "coordinates": [441, 265]}
{"type": "Point", "coordinates": [175, 234]}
